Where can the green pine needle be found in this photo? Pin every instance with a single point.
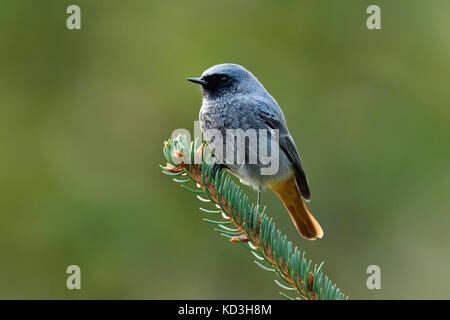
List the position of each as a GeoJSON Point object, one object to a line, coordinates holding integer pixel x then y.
{"type": "Point", "coordinates": [254, 230]}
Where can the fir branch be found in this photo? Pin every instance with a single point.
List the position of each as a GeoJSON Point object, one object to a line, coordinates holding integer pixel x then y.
{"type": "Point", "coordinates": [241, 222]}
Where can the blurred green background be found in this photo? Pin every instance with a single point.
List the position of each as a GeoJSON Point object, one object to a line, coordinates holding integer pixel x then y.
{"type": "Point", "coordinates": [83, 116]}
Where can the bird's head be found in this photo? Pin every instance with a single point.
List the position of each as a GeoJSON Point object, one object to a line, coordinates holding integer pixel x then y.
{"type": "Point", "coordinates": [227, 78]}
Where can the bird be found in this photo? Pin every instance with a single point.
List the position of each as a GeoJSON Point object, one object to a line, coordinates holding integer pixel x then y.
{"type": "Point", "coordinates": [233, 98]}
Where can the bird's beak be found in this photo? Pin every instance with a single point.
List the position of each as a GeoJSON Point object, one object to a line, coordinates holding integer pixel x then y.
{"type": "Point", "coordinates": [197, 80]}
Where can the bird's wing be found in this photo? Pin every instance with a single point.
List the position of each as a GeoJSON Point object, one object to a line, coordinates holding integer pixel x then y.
{"type": "Point", "coordinates": [274, 119]}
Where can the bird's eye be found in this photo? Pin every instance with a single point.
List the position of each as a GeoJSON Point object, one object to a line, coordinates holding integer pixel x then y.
{"type": "Point", "coordinates": [223, 79]}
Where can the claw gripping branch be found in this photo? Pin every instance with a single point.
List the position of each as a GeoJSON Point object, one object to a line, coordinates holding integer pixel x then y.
{"type": "Point", "coordinates": [241, 222]}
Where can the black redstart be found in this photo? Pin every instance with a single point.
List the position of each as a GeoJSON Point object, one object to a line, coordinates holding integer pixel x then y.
{"type": "Point", "coordinates": [233, 100]}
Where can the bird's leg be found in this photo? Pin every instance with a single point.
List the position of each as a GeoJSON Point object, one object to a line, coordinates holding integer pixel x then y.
{"type": "Point", "coordinates": [259, 199]}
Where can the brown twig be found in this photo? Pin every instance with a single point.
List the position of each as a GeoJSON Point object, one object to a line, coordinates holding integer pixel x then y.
{"type": "Point", "coordinates": [280, 267]}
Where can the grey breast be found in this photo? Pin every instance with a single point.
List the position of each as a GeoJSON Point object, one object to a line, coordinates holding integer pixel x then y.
{"type": "Point", "coordinates": [238, 112]}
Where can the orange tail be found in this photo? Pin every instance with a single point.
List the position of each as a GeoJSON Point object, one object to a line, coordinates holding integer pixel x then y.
{"type": "Point", "coordinates": [303, 220]}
